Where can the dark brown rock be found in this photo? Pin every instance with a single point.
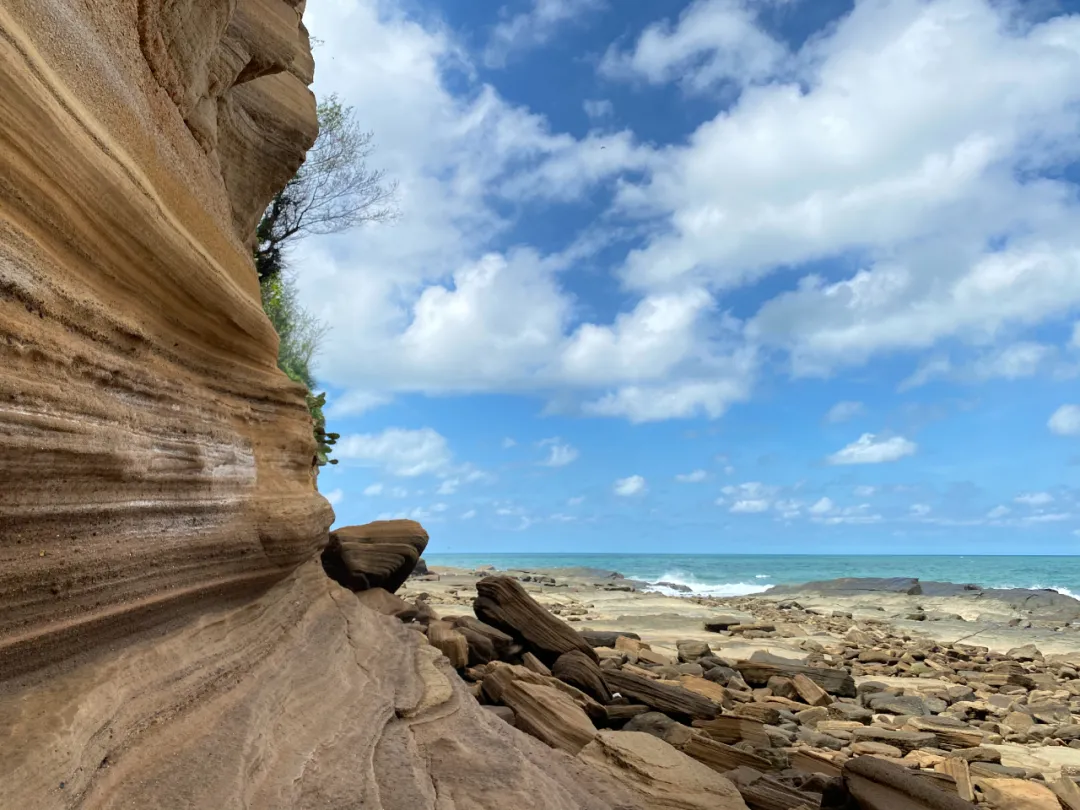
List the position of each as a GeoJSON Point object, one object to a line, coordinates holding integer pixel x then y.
{"type": "Point", "coordinates": [503, 603]}
{"type": "Point", "coordinates": [834, 681]}
{"type": "Point", "coordinates": [376, 555]}
{"type": "Point", "coordinates": [673, 700]}
{"type": "Point", "coordinates": [879, 785]}
{"type": "Point", "coordinates": [730, 729]}
{"type": "Point", "coordinates": [605, 638]}
{"type": "Point", "coordinates": [577, 669]}
{"type": "Point", "coordinates": [382, 601]}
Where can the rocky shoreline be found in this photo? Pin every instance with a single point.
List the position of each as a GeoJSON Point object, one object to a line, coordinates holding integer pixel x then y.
{"type": "Point", "coordinates": [846, 694]}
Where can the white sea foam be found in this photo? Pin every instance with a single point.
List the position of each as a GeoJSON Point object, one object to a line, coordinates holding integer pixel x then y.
{"type": "Point", "coordinates": [1058, 588]}
{"type": "Point", "coordinates": [761, 576]}
{"type": "Point", "coordinates": [699, 588]}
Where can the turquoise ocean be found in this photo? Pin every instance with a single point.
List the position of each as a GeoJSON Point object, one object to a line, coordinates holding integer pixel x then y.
{"type": "Point", "coordinates": [735, 575]}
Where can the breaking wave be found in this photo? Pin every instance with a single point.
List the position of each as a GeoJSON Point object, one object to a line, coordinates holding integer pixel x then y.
{"type": "Point", "coordinates": [696, 587]}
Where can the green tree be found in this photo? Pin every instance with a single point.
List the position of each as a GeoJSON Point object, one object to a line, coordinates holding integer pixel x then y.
{"type": "Point", "coordinates": [333, 191]}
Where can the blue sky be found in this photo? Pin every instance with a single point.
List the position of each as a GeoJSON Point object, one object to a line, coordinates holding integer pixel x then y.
{"type": "Point", "coordinates": [712, 276]}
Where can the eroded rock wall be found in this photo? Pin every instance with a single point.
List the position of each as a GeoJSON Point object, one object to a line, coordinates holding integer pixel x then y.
{"type": "Point", "coordinates": [168, 637]}
{"type": "Point", "coordinates": [152, 457]}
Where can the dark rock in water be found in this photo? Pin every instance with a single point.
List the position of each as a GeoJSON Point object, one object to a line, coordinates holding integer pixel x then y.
{"type": "Point", "coordinates": [606, 638]}
{"type": "Point", "coordinates": [578, 669]}
{"type": "Point", "coordinates": [504, 604]}
{"type": "Point", "coordinates": [376, 555]}
{"type": "Point", "coordinates": [674, 586]}
{"type": "Point", "coordinates": [853, 585]}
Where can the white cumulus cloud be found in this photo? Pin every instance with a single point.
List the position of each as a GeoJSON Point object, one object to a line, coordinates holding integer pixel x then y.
{"type": "Point", "coordinates": [1065, 421]}
{"type": "Point", "coordinates": [868, 449]}
{"type": "Point", "coordinates": [694, 477]}
{"type": "Point", "coordinates": [398, 451]}
{"type": "Point", "coordinates": [632, 485]}
{"type": "Point", "coordinates": [560, 453]}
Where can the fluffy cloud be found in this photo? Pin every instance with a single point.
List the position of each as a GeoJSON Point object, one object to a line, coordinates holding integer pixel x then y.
{"type": "Point", "coordinates": [398, 451]}
{"type": "Point", "coordinates": [373, 489]}
{"type": "Point", "coordinates": [1035, 498]}
{"type": "Point", "coordinates": [919, 143]}
{"type": "Point", "coordinates": [1065, 421]}
{"type": "Point", "coordinates": [998, 512]}
{"type": "Point", "coordinates": [920, 509]}
{"type": "Point", "coordinates": [626, 487]}
{"type": "Point", "coordinates": [844, 411]}
{"type": "Point", "coordinates": [822, 507]}
{"type": "Point", "coordinates": [560, 453]}
{"type": "Point", "coordinates": [598, 109]}
{"type": "Point", "coordinates": [334, 496]}
{"type": "Point", "coordinates": [694, 477]}
{"type": "Point", "coordinates": [749, 506]}
{"type": "Point", "coordinates": [534, 27]}
{"type": "Point", "coordinates": [714, 41]}
{"type": "Point", "coordinates": [868, 449]}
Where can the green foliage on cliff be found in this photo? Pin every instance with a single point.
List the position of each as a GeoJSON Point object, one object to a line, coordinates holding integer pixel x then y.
{"type": "Point", "coordinates": [299, 333]}
{"type": "Point", "coordinates": [333, 191]}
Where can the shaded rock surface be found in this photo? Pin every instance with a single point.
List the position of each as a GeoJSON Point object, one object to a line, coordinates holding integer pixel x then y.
{"type": "Point", "coordinates": [381, 554]}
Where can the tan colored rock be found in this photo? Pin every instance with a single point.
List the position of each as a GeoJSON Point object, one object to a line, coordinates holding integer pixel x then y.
{"type": "Point", "coordinates": [663, 697]}
{"type": "Point", "coordinates": [549, 715]}
{"type": "Point", "coordinates": [1017, 794]}
{"type": "Point", "coordinates": [1067, 791]}
{"type": "Point", "coordinates": [707, 689]}
{"type": "Point", "coordinates": [449, 642]}
{"type": "Point", "coordinates": [382, 601]}
{"type": "Point", "coordinates": [877, 784]}
{"type": "Point", "coordinates": [809, 691]}
{"type": "Point", "coordinates": [665, 778]}
{"type": "Point", "coordinates": [957, 769]}
{"type": "Point", "coordinates": [876, 749]}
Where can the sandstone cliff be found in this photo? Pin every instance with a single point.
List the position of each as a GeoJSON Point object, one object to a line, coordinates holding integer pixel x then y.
{"type": "Point", "coordinates": [167, 635]}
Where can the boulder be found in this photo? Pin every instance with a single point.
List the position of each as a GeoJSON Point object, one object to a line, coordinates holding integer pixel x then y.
{"type": "Point", "coordinates": [809, 691]}
{"type": "Point", "coordinates": [718, 624]}
{"type": "Point", "coordinates": [876, 749]}
{"type": "Point", "coordinates": [382, 601]}
{"type": "Point", "coordinates": [375, 555]}
{"type": "Point", "coordinates": [897, 704]}
{"type": "Point", "coordinates": [690, 650]}
{"type": "Point", "coordinates": [488, 640]}
{"type": "Point", "coordinates": [666, 778]}
{"type": "Point", "coordinates": [1017, 794]}
{"type": "Point", "coordinates": [449, 642]}
{"type": "Point", "coordinates": [549, 715]}
{"type": "Point", "coordinates": [904, 740]}
{"type": "Point", "coordinates": [578, 669]}
{"type": "Point", "coordinates": [503, 603]}
{"type": "Point", "coordinates": [500, 675]}
{"type": "Point", "coordinates": [729, 729]}
{"type": "Point", "coordinates": [761, 791]}
{"type": "Point", "coordinates": [1029, 652]}
{"type": "Point", "coordinates": [663, 697]}
{"type": "Point", "coordinates": [876, 784]}
{"type": "Point", "coordinates": [605, 638]}
{"type": "Point", "coordinates": [834, 681]}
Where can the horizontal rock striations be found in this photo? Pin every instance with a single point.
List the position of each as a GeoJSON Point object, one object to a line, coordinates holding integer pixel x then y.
{"type": "Point", "coordinates": [152, 457]}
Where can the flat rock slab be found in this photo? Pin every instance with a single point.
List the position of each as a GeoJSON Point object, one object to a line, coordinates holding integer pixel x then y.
{"type": "Point", "coordinates": [1017, 794]}
{"type": "Point", "coordinates": [848, 586]}
{"type": "Point", "coordinates": [667, 778]}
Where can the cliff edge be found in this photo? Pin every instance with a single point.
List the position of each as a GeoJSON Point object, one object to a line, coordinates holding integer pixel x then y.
{"type": "Point", "coordinates": [168, 637]}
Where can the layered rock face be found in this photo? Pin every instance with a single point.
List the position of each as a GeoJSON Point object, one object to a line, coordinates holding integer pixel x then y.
{"type": "Point", "coordinates": [152, 457]}
{"type": "Point", "coordinates": [168, 636]}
